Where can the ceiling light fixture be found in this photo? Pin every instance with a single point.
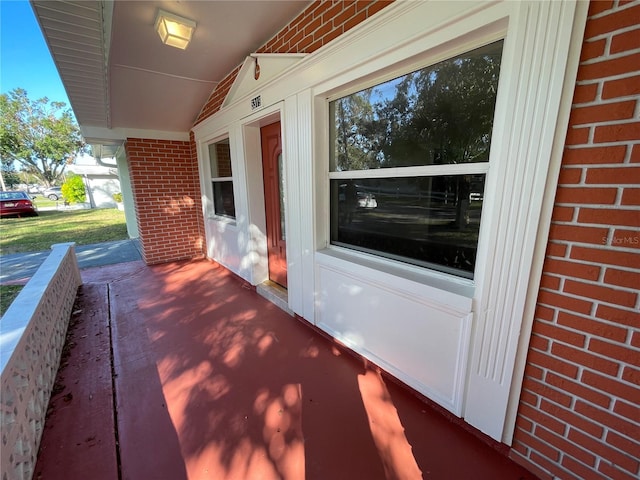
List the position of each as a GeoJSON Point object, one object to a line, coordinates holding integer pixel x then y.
{"type": "Point", "coordinates": [174, 30]}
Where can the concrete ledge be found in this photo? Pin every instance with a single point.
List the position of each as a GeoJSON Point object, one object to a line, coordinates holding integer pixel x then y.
{"type": "Point", "coordinates": [32, 334]}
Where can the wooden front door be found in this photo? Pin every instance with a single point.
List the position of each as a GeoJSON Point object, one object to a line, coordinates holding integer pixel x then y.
{"type": "Point", "coordinates": [272, 171]}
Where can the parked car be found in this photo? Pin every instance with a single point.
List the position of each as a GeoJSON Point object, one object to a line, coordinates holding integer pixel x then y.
{"type": "Point", "coordinates": [17, 204]}
{"type": "Point", "coordinates": [53, 193]}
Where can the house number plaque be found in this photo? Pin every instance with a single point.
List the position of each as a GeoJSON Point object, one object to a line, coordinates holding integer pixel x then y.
{"type": "Point", "coordinates": [256, 102]}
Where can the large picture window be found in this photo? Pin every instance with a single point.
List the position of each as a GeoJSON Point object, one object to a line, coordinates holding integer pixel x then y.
{"type": "Point", "coordinates": [408, 161]}
{"type": "Point", "coordinates": [222, 179]}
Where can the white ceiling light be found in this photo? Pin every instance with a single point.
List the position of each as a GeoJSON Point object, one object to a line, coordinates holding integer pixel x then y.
{"type": "Point", "coordinates": [174, 30]}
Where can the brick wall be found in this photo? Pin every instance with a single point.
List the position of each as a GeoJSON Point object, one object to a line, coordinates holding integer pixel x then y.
{"type": "Point", "coordinates": [166, 191]}
{"type": "Point", "coordinates": [579, 416]}
{"type": "Point", "coordinates": [319, 24]}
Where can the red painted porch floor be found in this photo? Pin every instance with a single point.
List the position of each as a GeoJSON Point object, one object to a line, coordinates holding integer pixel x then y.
{"type": "Point", "coordinates": [211, 381]}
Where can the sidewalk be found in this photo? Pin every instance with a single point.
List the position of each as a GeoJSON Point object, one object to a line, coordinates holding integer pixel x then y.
{"type": "Point", "coordinates": [19, 267]}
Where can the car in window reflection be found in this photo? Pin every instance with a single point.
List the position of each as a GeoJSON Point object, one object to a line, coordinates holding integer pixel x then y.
{"type": "Point", "coordinates": [356, 196]}
{"type": "Point", "coordinates": [17, 204]}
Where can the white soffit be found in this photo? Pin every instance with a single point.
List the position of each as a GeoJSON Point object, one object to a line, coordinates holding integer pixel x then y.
{"type": "Point", "coordinates": [76, 36]}
{"type": "Point", "coordinates": [270, 66]}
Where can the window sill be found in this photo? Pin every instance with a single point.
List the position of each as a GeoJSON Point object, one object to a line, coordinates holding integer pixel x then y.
{"type": "Point", "coordinates": [432, 285]}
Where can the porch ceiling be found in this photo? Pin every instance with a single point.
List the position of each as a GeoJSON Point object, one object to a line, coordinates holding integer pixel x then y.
{"type": "Point", "coordinates": [117, 73]}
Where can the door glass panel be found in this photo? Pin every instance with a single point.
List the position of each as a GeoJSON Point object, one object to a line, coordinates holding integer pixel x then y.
{"type": "Point", "coordinates": [282, 201]}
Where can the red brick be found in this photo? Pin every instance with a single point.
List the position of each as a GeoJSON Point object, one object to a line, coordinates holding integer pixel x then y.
{"type": "Point", "coordinates": [585, 93]}
{"type": "Point", "coordinates": [572, 269]}
{"type": "Point", "coordinates": [627, 410]}
{"type": "Point", "coordinates": [586, 195]}
{"type": "Point", "coordinates": [544, 313]}
{"type": "Point", "coordinates": [615, 351]}
{"type": "Point", "coordinates": [624, 444]}
{"type": "Point", "coordinates": [564, 446]}
{"type": "Point", "coordinates": [530, 399]}
{"type": "Point", "coordinates": [612, 472]}
{"type": "Point", "coordinates": [622, 87]}
{"type": "Point", "coordinates": [583, 472]}
{"type": "Point", "coordinates": [609, 216]}
{"type": "Point", "coordinates": [533, 372]}
{"type": "Point", "coordinates": [539, 343]}
{"type": "Point", "coordinates": [605, 256]}
{"type": "Point", "coordinates": [592, 326]}
{"type": "Point", "coordinates": [607, 419]}
{"type": "Point", "coordinates": [635, 340]}
{"type": "Point", "coordinates": [617, 133]}
{"type": "Point", "coordinates": [578, 390]}
{"type": "Point", "coordinates": [375, 7]}
{"type": "Point", "coordinates": [541, 447]}
{"type": "Point", "coordinates": [557, 471]}
{"type": "Point", "coordinates": [622, 278]}
{"type": "Point", "coordinates": [614, 175]}
{"type": "Point", "coordinates": [562, 214]}
{"type": "Point", "coordinates": [599, 6]}
{"type": "Point", "coordinates": [556, 365]}
{"type": "Point", "coordinates": [599, 292]}
{"type": "Point", "coordinates": [632, 375]}
{"type": "Point", "coordinates": [558, 333]}
{"type": "Point", "coordinates": [565, 302]}
{"type": "Point", "coordinates": [620, 316]}
{"type": "Point", "coordinates": [635, 153]}
{"type": "Point", "coordinates": [597, 446]}
{"type": "Point", "coordinates": [626, 238]}
{"type": "Point", "coordinates": [602, 113]}
{"type": "Point", "coordinates": [523, 424]}
{"type": "Point", "coordinates": [585, 359]}
{"type": "Point", "coordinates": [569, 176]}
{"type": "Point", "coordinates": [556, 249]}
{"type": "Point", "coordinates": [574, 233]}
{"type": "Point", "coordinates": [608, 68]}
{"type": "Point", "coordinates": [616, 20]}
{"type": "Point", "coordinates": [625, 41]}
{"type": "Point", "coordinates": [541, 418]}
{"type": "Point", "coordinates": [594, 155]}
{"type": "Point", "coordinates": [577, 136]}
{"type": "Point", "coordinates": [611, 386]}
{"type": "Point", "coordinates": [521, 459]}
{"type": "Point", "coordinates": [630, 196]}
{"type": "Point", "coordinates": [550, 282]}
{"type": "Point", "coordinates": [592, 49]}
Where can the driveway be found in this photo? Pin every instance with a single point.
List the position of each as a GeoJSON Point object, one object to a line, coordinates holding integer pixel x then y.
{"type": "Point", "coordinates": [19, 267]}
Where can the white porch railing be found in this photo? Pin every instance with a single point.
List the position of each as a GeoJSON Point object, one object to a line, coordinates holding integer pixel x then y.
{"type": "Point", "coordinates": [32, 334]}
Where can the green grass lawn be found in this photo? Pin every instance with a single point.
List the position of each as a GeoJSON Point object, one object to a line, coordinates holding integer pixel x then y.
{"type": "Point", "coordinates": [7, 294]}
{"type": "Point", "coordinates": [34, 234]}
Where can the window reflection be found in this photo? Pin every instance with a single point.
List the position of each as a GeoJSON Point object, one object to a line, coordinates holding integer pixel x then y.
{"type": "Point", "coordinates": [430, 221]}
{"type": "Point", "coordinates": [441, 114]}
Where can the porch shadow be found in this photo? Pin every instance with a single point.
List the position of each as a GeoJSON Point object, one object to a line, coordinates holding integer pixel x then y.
{"type": "Point", "coordinates": [213, 381]}
{"type": "Point", "coordinates": [251, 392]}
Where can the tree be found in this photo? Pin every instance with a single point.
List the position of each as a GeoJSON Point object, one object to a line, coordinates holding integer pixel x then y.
{"type": "Point", "coordinates": [9, 176]}
{"type": "Point", "coordinates": [41, 136]}
{"type": "Point", "coordinates": [73, 189]}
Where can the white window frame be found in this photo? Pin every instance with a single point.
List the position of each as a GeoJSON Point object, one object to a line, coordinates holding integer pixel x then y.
{"type": "Point", "coordinates": [210, 211]}
{"type": "Point", "coordinates": [473, 168]}
{"type": "Point", "coordinates": [213, 179]}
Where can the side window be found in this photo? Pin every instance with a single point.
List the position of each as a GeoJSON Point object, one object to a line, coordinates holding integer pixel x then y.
{"type": "Point", "coordinates": [409, 159]}
{"type": "Point", "coordinates": [222, 179]}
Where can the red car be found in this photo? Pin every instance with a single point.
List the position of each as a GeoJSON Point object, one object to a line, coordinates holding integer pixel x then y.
{"type": "Point", "coordinates": [17, 204]}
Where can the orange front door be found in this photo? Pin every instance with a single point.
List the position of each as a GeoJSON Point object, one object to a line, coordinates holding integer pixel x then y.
{"type": "Point", "coordinates": [272, 171]}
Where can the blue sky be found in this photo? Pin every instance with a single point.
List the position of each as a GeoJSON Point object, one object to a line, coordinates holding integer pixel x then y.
{"type": "Point", "coordinates": [25, 60]}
